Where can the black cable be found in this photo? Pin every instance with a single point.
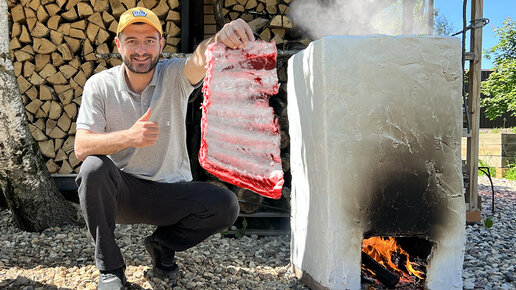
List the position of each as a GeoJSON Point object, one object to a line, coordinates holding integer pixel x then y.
{"type": "Point", "coordinates": [488, 173]}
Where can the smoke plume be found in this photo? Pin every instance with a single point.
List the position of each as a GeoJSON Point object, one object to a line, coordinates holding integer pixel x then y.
{"type": "Point", "coordinates": [321, 18]}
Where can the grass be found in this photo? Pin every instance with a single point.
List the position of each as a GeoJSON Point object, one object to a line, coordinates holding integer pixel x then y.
{"type": "Point", "coordinates": [511, 172]}
{"type": "Point", "coordinates": [510, 130]}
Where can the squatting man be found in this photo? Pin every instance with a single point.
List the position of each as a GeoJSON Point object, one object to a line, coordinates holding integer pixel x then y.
{"type": "Point", "coordinates": [131, 137]}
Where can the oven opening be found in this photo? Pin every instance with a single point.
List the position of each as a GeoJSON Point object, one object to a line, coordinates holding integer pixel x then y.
{"type": "Point", "coordinates": [394, 262]}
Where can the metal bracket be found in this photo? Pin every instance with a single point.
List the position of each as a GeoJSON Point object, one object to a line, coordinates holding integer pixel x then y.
{"type": "Point", "coordinates": [475, 23]}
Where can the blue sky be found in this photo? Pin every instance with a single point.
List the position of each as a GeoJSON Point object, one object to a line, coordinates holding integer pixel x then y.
{"type": "Point", "coordinates": [496, 10]}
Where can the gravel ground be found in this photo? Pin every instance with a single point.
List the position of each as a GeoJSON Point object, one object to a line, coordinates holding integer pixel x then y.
{"type": "Point", "coordinates": [62, 258]}
{"type": "Point", "coordinates": [490, 258]}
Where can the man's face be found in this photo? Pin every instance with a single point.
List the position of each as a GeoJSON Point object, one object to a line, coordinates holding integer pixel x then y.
{"type": "Point", "coordinates": [140, 46]}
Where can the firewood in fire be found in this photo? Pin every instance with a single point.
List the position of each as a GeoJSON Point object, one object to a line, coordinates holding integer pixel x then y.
{"type": "Point", "coordinates": [391, 255]}
{"type": "Point", "coordinates": [381, 273]}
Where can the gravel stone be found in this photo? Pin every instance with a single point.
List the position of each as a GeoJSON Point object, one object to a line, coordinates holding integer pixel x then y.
{"type": "Point", "coordinates": [62, 257]}
{"type": "Point", "coordinates": [490, 253]}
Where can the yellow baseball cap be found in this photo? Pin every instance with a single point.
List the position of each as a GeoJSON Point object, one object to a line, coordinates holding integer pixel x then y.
{"type": "Point", "coordinates": [139, 14]}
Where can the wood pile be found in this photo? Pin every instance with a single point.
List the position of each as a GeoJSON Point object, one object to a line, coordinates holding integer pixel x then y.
{"type": "Point", "coordinates": [268, 18]}
{"type": "Point", "coordinates": [54, 46]}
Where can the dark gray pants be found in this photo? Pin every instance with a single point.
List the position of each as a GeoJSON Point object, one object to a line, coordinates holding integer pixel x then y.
{"type": "Point", "coordinates": [186, 213]}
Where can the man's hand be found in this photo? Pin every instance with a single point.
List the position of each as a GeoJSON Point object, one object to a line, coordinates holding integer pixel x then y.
{"type": "Point", "coordinates": [143, 133]}
{"type": "Point", "coordinates": [235, 34]}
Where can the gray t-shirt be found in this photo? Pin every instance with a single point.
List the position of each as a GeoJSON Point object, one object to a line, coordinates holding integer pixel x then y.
{"type": "Point", "coordinates": [108, 105]}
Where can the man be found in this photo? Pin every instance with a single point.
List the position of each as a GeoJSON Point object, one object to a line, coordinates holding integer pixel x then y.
{"type": "Point", "coordinates": [131, 136]}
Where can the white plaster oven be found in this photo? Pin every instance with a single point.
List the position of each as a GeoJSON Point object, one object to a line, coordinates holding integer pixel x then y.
{"type": "Point", "coordinates": [375, 125]}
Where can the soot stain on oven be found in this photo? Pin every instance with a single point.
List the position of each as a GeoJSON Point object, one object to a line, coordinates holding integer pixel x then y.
{"type": "Point", "coordinates": [407, 197]}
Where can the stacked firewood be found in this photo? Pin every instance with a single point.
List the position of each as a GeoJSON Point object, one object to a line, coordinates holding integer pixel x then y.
{"type": "Point", "coordinates": [268, 18]}
{"type": "Point", "coordinates": [54, 47]}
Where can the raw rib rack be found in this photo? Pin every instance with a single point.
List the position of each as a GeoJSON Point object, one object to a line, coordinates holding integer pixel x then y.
{"type": "Point", "coordinates": [240, 141]}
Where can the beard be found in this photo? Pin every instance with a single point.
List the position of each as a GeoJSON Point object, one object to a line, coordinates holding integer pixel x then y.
{"type": "Point", "coordinates": [140, 68]}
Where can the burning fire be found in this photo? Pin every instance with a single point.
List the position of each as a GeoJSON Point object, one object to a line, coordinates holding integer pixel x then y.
{"type": "Point", "coordinates": [383, 250]}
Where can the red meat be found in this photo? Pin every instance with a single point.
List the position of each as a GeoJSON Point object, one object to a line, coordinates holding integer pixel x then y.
{"type": "Point", "coordinates": [240, 141]}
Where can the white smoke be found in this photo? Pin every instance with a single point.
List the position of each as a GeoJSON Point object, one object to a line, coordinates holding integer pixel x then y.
{"type": "Point", "coordinates": [321, 18]}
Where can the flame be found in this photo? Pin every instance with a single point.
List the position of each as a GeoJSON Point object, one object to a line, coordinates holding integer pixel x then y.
{"type": "Point", "coordinates": [382, 249]}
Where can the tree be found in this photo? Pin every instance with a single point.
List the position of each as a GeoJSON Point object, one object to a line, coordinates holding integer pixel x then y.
{"type": "Point", "coordinates": [441, 24]}
{"type": "Point", "coordinates": [500, 87]}
{"type": "Point", "coordinates": [27, 186]}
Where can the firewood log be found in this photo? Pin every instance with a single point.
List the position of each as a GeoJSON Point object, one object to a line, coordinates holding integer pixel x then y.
{"type": "Point", "coordinates": [17, 13]}
{"type": "Point", "coordinates": [384, 275]}
{"type": "Point", "coordinates": [70, 15]}
{"type": "Point", "coordinates": [52, 9]}
{"type": "Point", "coordinates": [97, 19]}
{"type": "Point", "coordinates": [84, 9]}
{"type": "Point", "coordinates": [60, 155]}
{"type": "Point", "coordinates": [72, 159]}
{"type": "Point", "coordinates": [28, 68]}
{"type": "Point", "coordinates": [32, 93]}
{"type": "Point", "coordinates": [39, 30]}
{"type": "Point", "coordinates": [71, 110]}
{"type": "Point", "coordinates": [23, 84]}
{"type": "Point", "coordinates": [65, 168]}
{"type": "Point", "coordinates": [34, 106]}
{"type": "Point", "coordinates": [71, 4]}
{"type": "Point", "coordinates": [68, 144]}
{"type": "Point", "coordinates": [37, 133]}
{"type": "Point", "coordinates": [29, 13]}
{"type": "Point", "coordinates": [57, 78]}
{"type": "Point", "coordinates": [45, 93]}
{"type": "Point", "coordinates": [66, 97]}
{"type": "Point", "coordinates": [100, 5]}
{"type": "Point", "coordinates": [36, 79]}
{"type": "Point", "coordinates": [47, 148]}
{"type": "Point", "coordinates": [161, 9]}
{"type": "Point", "coordinates": [51, 166]}
{"type": "Point", "coordinates": [47, 71]}
{"type": "Point", "coordinates": [56, 37]}
{"type": "Point", "coordinates": [92, 31]}
{"type": "Point", "coordinates": [24, 35]}
{"type": "Point", "coordinates": [173, 4]}
{"type": "Point", "coordinates": [43, 46]}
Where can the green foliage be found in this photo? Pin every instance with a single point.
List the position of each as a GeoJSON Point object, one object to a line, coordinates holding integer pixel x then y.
{"type": "Point", "coordinates": [506, 47]}
{"type": "Point", "coordinates": [511, 171]}
{"type": "Point", "coordinates": [441, 24]}
{"type": "Point", "coordinates": [500, 87]}
{"type": "Point", "coordinates": [488, 223]}
{"type": "Point", "coordinates": [241, 232]}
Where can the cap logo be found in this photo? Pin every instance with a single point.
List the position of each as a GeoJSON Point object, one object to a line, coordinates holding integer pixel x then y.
{"type": "Point", "coordinates": [139, 13]}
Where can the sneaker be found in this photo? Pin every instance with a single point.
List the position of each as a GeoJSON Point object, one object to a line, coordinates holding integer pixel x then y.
{"type": "Point", "coordinates": [163, 261]}
{"type": "Point", "coordinates": [112, 280]}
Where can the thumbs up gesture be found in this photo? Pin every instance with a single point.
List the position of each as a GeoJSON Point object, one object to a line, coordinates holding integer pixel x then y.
{"type": "Point", "coordinates": [143, 133]}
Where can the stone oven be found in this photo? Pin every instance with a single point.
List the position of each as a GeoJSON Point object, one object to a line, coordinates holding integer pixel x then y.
{"type": "Point", "coordinates": [375, 128]}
